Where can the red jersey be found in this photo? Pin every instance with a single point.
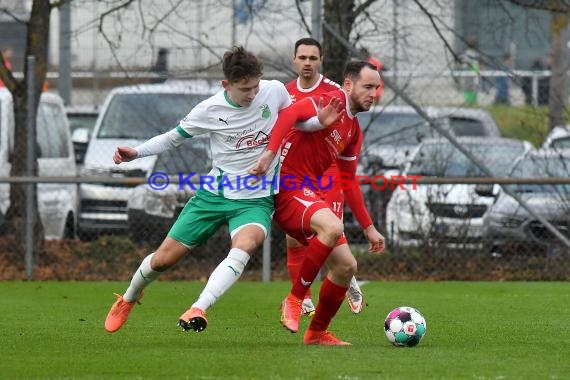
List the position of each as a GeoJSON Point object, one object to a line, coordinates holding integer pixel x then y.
{"type": "Point", "coordinates": [306, 155]}
{"type": "Point", "coordinates": [309, 154]}
{"type": "Point", "coordinates": [322, 86]}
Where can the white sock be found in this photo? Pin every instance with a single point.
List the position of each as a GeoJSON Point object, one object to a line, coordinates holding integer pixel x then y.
{"type": "Point", "coordinates": [222, 278]}
{"type": "Point", "coordinates": [142, 277]}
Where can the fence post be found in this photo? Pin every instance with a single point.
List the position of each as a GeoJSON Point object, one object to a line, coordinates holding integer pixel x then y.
{"type": "Point", "coordinates": [266, 267]}
{"type": "Point", "coordinates": [30, 158]}
{"type": "Point", "coordinates": [534, 89]}
{"type": "Point", "coordinates": [64, 80]}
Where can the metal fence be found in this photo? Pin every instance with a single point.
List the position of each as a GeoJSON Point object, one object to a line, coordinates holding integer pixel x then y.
{"type": "Point", "coordinates": [444, 229]}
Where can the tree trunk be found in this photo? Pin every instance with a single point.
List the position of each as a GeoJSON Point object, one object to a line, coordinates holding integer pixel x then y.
{"type": "Point", "coordinates": [36, 46]}
{"type": "Point", "coordinates": [558, 92]}
{"type": "Point", "coordinates": [338, 15]}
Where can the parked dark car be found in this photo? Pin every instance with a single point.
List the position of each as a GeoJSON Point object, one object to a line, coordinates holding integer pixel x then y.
{"type": "Point", "coordinates": [151, 211]}
{"type": "Point", "coordinates": [510, 229]}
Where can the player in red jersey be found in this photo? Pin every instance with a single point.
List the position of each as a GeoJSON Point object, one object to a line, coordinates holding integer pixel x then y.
{"type": "Point", "coordinates": [299, 207]}
{"type": "Point", "coordinates": [307, 60]}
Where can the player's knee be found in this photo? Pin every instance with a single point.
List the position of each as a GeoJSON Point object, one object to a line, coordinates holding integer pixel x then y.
{"type": "Point", "coordinates": [168, 254]}
{"type": "Point", "coordinates": [345, 269]}
{"type": "Point", "coordinates": [248, 243]}
{"type": "Point", "coordinates": [162, 260]}
{"type": "Point", "coordinates": [249, 239]}
{"type": "Point", "coordinates": [332, 229]}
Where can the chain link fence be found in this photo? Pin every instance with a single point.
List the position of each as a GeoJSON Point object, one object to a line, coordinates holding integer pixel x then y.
{"type": "Point", "coordinates": [103, 217]}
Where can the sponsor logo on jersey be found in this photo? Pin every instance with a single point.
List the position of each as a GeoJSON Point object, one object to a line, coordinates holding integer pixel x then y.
{"type": "Point", "coordinates": [336, 136]}
{"type": "Point", "coordinates": [239, 135]}
{"type": "Point", "coordinates": [252, 141]}
{"type": "Point", "coordinates": [309, 193]}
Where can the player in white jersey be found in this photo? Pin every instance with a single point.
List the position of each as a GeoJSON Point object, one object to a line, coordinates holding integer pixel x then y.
{"type": "Point", "coordinates": [238, 120]}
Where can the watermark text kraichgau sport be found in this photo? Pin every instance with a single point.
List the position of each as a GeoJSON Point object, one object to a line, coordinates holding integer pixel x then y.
{"type": "Point", "coordinates": [195, 181]}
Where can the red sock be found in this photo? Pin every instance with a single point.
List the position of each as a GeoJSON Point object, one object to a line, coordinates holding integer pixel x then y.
{"type": "Point", "coordinates": [330, 299]}
{"type": "Point", "coordinates": [316, 255]}
{"type": "Point", "coordinates": [295, 257]}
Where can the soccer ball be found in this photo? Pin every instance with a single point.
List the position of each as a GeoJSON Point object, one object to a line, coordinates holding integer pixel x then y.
{"type": "Point", "coordinates": [405, 326]}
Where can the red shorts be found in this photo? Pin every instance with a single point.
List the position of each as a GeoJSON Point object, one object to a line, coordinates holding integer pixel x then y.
{"type": "Point", "coordinates": [294, 209]}
{"type": "Point", "coordinates": [335, 199]}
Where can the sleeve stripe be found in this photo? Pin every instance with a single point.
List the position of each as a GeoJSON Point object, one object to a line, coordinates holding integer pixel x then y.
{"type": "Point", "coordinates": [182, 132]}
{"type": "Point", "coordinates": [348, 158]}
{"type": "Point", "coordinates": [314, 104]}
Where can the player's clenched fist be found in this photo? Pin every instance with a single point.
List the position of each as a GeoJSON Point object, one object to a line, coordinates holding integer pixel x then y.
{"type": "Point", "coordinates": [124, 154]}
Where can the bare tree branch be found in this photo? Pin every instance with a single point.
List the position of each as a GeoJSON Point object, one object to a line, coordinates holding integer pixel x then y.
{"type": "Point", "coordinates": [302, 15]}
{"type": "Point", "coordinates": [11, 15]}
{"type": "Point", "coordinates": [432, 18]}
{"type": "Point", "coordinates": [362, 7]}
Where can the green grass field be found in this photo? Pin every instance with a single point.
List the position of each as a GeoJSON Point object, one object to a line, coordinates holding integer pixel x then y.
{"type": "Point", "coordinates": [474, 331]}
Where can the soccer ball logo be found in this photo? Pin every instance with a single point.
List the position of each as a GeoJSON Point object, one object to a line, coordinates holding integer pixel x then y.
{"type": "Point", "coordinates": [405, 326]}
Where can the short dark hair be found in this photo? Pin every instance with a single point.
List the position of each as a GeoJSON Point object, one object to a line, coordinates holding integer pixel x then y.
{"type": "Point", "coordinates": [308, 41]}
{"type": "Point", "coordinates": [353, 68]}
{"type": "Point", "coordinates": [239, 64]}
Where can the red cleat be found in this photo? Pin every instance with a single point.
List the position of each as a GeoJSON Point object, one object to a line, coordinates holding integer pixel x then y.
{"type": "Point", "coordinates": [323, 338]}
{"type": "Point", "coordinates": [291, 309]}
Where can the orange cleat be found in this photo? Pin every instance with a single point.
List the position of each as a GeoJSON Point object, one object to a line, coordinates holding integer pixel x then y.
{"type": "Point", "coordinates": [323, 338]}
{"type": "Point", "coordinates": [291, 309]}
{"type": "Point", "coordinates": [119, 313]}
{"type": "Point", "coordinates": [193, 319]}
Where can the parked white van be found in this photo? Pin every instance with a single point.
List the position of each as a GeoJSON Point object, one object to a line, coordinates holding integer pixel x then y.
{"type": "Point", "coordinates": [129, 116]}
{"type": "Point", "coordinates": [57, 202]}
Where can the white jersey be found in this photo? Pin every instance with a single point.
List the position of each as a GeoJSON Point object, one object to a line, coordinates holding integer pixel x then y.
{"type": "Point", "coordinates": [238, 136]}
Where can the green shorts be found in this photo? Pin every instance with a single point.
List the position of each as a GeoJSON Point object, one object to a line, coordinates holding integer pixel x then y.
{"type": "Point", "coordinates": [206, 212]}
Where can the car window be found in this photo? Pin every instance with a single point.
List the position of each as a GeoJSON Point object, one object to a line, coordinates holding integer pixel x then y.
{"type": "Point", "coordinates": [466, 127]}
{"type": "Point", "coordinates": [446, 160]}
{"type": "Point", "coordinates": [51, 133]}
{"type": "Point", "coordinates": [82, 120]}
{"type": "Point", "coordinates": [143, 116]}
{"type": "Point", "coordinates": [562, 143]}
{"type": "Point", "coordinates": [540, 167]}
{"type": "Point", "coordinates": [191, 156]}
{"type": "Point", "coordinates": [394, 128]}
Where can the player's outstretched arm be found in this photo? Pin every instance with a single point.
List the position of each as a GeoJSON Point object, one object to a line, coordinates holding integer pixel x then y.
{"type": "Point", "coordinates": [124, 154]}
{"type": "Point", "coordinates": [155, 145]}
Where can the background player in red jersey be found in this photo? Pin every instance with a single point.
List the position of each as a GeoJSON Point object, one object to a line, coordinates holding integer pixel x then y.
{"type": "Point", "coordinates": [299, 207]}
{"type": "Point", "coordinates": [307, 60]}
